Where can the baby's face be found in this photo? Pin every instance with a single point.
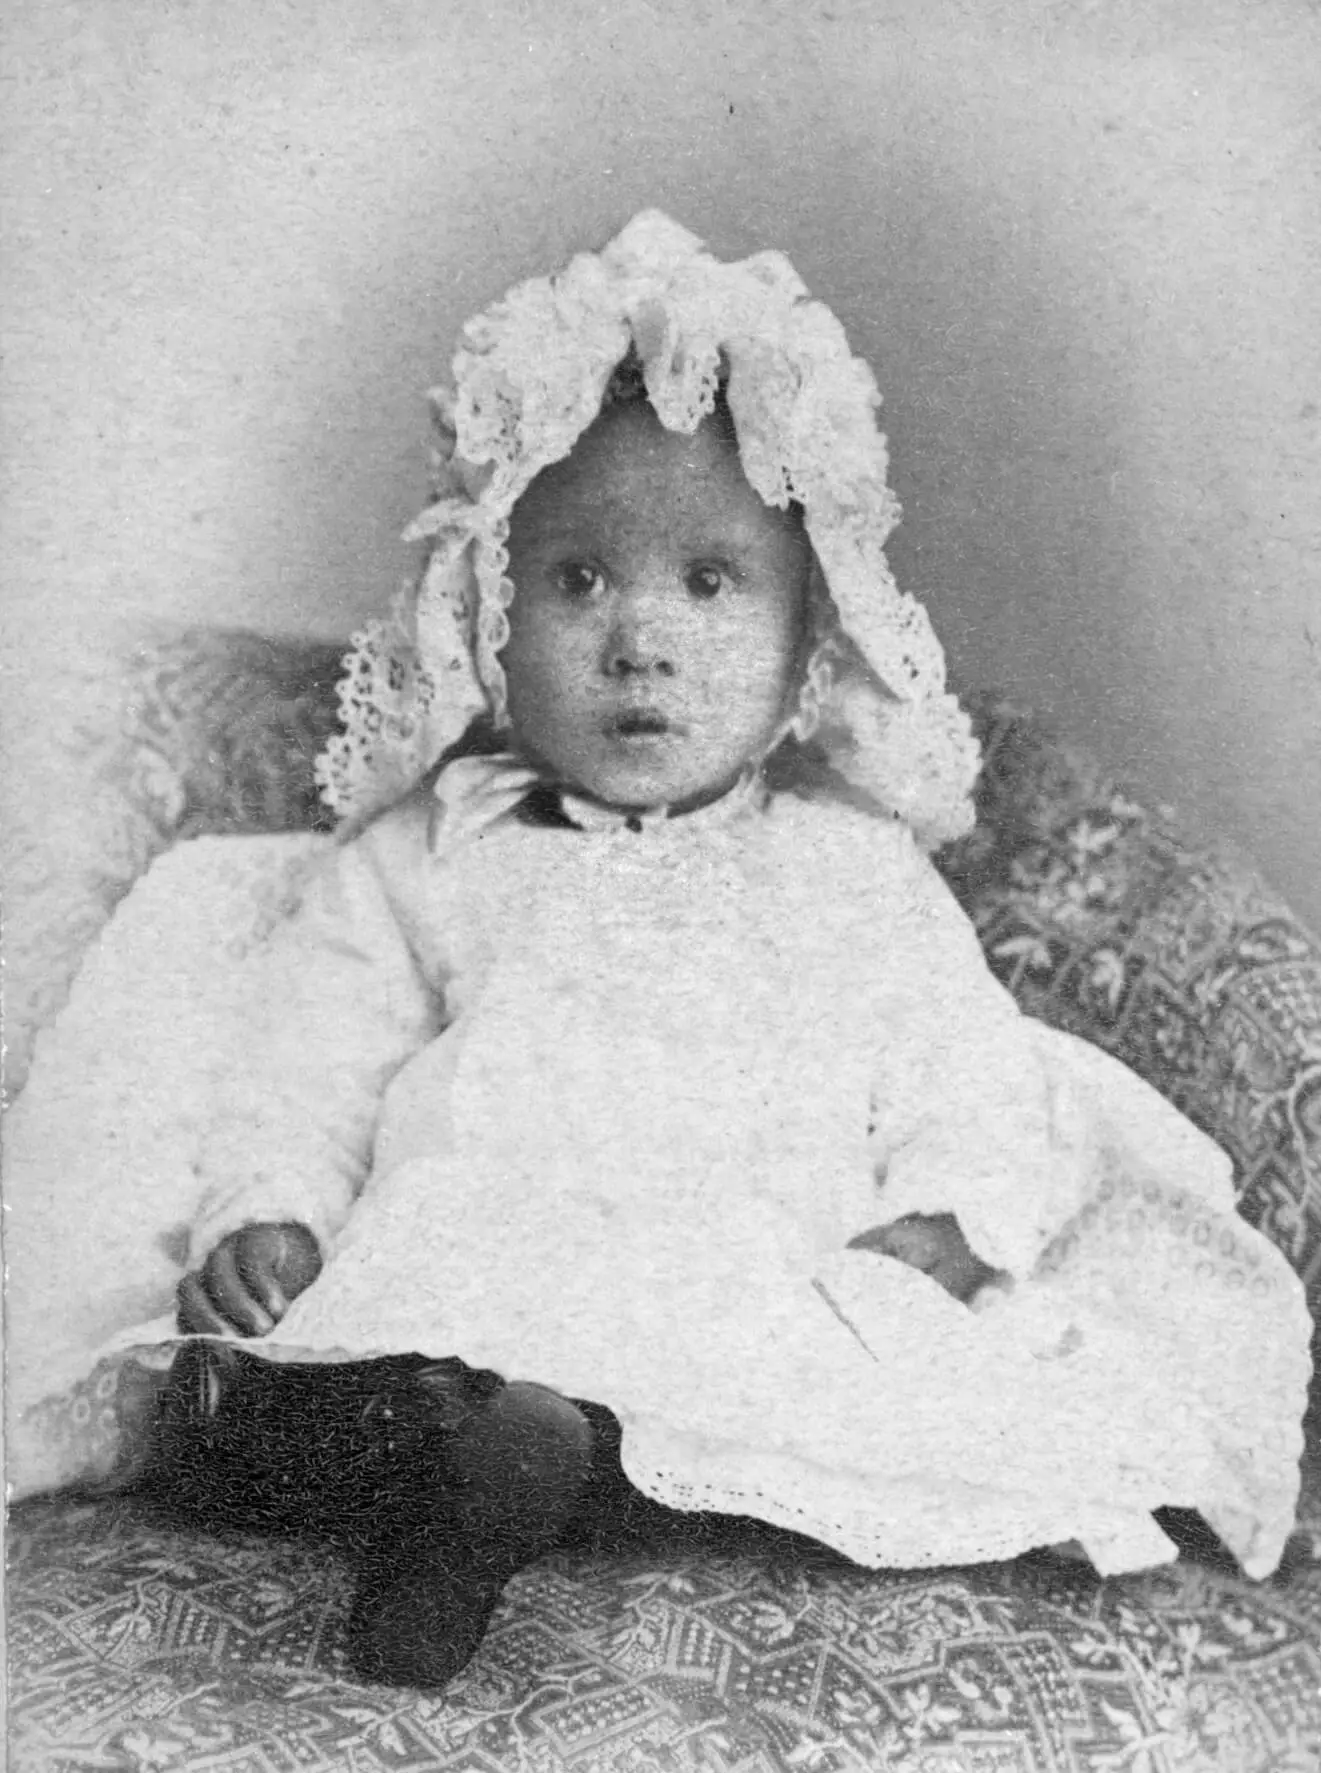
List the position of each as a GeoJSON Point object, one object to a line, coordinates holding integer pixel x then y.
{"type": "Point", "coordinates": [658, 617]}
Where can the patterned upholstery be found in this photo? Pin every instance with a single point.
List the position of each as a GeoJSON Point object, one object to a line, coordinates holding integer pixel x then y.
{"type": "Point", "coordinates": [1103, 919]}
{"type": "Point", "coordinates": [135, 1645]}
{"type": "Point", "coordinates": [137, 1648]}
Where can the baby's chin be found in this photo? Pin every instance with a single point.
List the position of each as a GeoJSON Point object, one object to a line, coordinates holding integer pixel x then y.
{"type": "Point", "coordinates": [642, 778]}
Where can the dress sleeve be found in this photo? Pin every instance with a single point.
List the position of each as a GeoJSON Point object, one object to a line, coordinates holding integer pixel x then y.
{"type": "Point", "coordinates": [342, 1003]}
{"type": "Point", "coordinates": [970, 1117]}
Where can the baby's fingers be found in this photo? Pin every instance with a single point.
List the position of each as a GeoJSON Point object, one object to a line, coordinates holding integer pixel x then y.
{"type": "Point", "coordinates": [257, 1277]}
{"type": "Point", "coordinates": [194, 1311]}
{"type": "Point", "coordinates": [911, 1240]}
{"type": "Point", "coordinates": [229, 1294]}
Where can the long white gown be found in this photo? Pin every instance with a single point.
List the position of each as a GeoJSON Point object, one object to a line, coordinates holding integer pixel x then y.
{"type": "Point", "coordinates": [677, 1070]}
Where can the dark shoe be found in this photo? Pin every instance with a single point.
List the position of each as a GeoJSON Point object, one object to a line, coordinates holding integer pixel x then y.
{"type": "Point", "coordinates": [612, 1514]}
{"type": "Point", "coordinates": [422, 1606]}
{"type": "Point", "coordinates": [328, 1450]}
{"type": "Point", "coordinates": [516, 1469]}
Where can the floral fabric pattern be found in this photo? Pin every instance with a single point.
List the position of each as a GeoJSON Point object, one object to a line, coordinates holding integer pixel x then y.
{"type": "Point", "coordinates": [137, 1645]}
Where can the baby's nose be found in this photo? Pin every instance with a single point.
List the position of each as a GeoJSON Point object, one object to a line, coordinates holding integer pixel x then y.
{"type": "Point", "coordinates": [639, 640]}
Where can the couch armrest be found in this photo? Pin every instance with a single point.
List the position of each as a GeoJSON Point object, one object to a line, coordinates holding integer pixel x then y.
{"type": "Point", "coordinates": [159, 735]}
{"type": "Point", "coordinates": [241, 718]}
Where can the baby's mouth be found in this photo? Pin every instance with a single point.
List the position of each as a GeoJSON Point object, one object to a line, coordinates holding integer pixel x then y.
{"type": "Point", "coordinates": [640, 723]}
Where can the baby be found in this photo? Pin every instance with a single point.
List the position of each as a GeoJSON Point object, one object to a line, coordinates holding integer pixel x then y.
{"type": "Point", "coordinates": [628, 1112]}
{"type": "Point", "coordinates": [658, 637]}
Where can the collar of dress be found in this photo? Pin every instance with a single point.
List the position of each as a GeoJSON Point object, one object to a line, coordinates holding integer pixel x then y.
{"type": "Point", "coordinates": [748, 795]}
{"type": "Point", "coordinates": [473, 794]}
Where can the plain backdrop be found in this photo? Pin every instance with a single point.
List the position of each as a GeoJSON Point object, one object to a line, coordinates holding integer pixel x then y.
{"type": "Point", "coordinates": [1079, 242]}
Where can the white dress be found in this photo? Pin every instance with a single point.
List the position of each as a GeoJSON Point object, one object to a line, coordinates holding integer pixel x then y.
{"type": "Point", "coordinates": [604, 1109]}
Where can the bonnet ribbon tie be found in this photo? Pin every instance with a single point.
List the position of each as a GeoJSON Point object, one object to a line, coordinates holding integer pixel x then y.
{"type": "Point", "coordinates": [474, 793]}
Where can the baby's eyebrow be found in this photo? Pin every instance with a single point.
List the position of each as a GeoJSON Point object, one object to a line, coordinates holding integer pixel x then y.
{"type": "Point", "coordinates": [726, 544]}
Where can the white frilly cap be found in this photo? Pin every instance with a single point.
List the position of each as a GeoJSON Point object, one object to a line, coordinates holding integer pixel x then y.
{"type": "Point", "coordinates": [529, 376]}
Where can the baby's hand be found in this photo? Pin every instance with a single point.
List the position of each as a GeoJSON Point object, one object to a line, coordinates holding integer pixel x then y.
{"type": "Point", "coordinates": [248, 1280]}
{"type": "Point", "coordinates": [936, 1246]}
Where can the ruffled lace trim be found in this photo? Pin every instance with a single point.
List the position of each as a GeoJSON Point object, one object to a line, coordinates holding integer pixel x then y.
{"type": "Point", "coordinates": [530, 375]}
{"type": "Point", "coordinates": [899, 1526]}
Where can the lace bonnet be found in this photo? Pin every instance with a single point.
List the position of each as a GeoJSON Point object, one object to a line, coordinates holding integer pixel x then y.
{"type": "Point", "coordinates": [530, 375]}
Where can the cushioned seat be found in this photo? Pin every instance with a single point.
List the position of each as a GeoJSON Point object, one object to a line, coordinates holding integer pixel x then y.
{"type": "Point", "coordinates": [137, 1645]}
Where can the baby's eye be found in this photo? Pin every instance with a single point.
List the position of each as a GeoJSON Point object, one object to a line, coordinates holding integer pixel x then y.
{"type": "Point", "coordinates": [578, 579]}
{"type": "Point", "coordinates": [705, 580]}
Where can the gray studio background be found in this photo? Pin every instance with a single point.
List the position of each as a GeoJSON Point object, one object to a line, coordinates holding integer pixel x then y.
{"type": "Point", "coordinates": [1080, 244]}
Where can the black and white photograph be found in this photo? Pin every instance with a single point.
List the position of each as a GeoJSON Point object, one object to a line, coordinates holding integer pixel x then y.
{"type": "Point", "coordinates": [661, 837]}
